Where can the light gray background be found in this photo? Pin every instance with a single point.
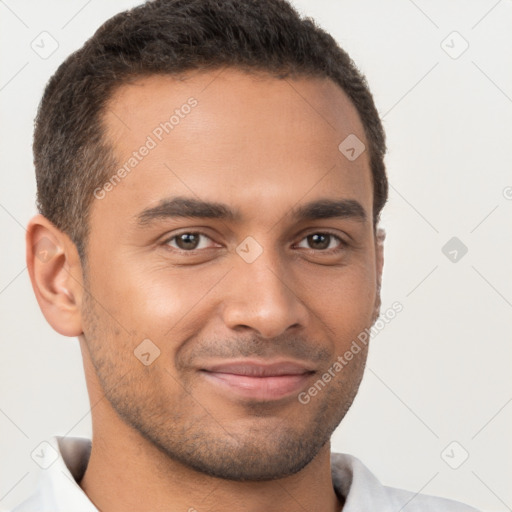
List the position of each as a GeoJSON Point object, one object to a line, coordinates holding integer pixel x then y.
{"type": "Point", "coordinates": [440, 371]}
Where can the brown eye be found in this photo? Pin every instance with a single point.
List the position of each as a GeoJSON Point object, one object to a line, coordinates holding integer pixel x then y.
{"type": "Point", "coordinates": [323, 242]}
{"type": "Point", "coordinates": [319, 240]}
{"type": "Point", "coordinates": [187, 241]}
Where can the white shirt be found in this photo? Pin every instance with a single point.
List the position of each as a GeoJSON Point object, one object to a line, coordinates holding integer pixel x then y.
{"type": "Point", "coordinates": [66, 458]}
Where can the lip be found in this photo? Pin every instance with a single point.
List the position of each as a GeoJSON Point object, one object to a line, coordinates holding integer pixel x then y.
{"type": "Point", "coordinates": [256, 380]}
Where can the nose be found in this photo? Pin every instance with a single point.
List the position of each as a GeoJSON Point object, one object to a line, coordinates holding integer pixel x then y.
{"type": "Point", "coordinates": [263, 296]}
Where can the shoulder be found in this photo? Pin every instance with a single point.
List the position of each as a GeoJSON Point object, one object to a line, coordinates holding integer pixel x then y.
{"type": "Point", "coordinates": [408, 501]}
{"type": "Point", "coordinates": [363, 491]}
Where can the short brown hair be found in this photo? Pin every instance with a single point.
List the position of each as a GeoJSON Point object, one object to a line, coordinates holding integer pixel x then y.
{"type": "Point", "coordinates": [71, 154]}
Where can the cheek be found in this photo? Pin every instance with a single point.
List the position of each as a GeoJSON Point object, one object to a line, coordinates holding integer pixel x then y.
{"type": "Point", "coordinates": [157, 301]}
{"type": "Point", "coordinates": [161, 302]}
{"type": "Point", "coordinates": [344, 299]}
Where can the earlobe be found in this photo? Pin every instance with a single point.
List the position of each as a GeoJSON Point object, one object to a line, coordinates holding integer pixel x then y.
{"type": "Point", "coordinates": [55, 273]}
{"type": "Point", "coordinates": [380, 236]}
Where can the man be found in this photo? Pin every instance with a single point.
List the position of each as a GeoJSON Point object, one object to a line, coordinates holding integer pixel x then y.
{"type": "Point", "coordinates": [210, 180]}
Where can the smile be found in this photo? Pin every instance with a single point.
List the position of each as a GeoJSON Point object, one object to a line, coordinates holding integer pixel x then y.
{"type": "Point", "coordinates": [256, 381]}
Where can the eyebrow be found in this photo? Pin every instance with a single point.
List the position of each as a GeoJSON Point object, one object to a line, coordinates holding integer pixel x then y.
{"type": "Point", "coordinates": [186, 207]}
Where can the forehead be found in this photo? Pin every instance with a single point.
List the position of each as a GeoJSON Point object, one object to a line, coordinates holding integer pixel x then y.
{"type": "Point", "coordinates": [252, 139]}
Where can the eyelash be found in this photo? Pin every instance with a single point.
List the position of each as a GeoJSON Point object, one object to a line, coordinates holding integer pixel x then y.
{"type": "Point", "coordinates": [342, 243]}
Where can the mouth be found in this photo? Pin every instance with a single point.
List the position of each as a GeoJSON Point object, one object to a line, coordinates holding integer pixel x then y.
{"type": "Point", "coordinates": [257, 380]}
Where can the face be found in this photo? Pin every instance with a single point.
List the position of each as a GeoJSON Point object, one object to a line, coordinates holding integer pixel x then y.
{"type": "Point", "coordinates": [205, 323]}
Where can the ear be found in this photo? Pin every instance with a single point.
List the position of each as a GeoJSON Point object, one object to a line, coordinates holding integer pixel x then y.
{"type": "Point", "coordinates": [56, 275]}
{"type": "Point", "coordinates": [380, 236]}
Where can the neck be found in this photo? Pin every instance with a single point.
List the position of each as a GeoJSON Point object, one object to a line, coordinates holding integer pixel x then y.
{"type": "Point", "coordinates": [127, 472]}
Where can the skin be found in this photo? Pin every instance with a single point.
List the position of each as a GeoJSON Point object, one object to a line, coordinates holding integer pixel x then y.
{"type": "Point", "coordinates": [164, 437]}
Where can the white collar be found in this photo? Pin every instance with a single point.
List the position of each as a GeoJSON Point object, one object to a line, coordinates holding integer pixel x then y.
{"type": "Point", "coordinates": [66, 458]}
